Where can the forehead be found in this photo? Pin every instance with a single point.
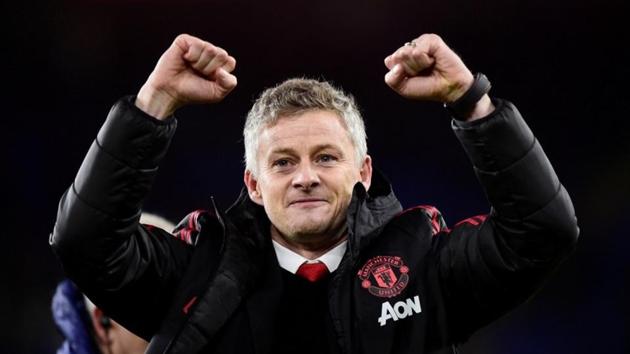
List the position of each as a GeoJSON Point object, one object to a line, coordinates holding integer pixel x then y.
{"type": "Point", "coordinates": [317, 127]}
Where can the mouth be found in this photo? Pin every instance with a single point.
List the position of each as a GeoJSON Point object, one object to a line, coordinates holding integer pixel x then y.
{"type": "Point", "coordinates": [307, 202]}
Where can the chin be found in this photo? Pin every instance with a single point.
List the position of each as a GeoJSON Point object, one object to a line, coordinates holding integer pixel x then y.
{"type": "Point", "coordinates": [306, 232]}
{"type": "Point", "coordinates": [311, 230]}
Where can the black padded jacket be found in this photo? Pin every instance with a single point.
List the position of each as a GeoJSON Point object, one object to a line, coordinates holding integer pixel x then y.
{"type": "Point", "coordinates": [407, 283]}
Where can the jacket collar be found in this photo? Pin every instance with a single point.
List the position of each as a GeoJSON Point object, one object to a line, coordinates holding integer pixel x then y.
{"type": "Point", "coordinates": [369, 211]}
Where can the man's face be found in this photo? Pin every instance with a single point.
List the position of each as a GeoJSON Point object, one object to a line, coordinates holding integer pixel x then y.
{"type": "Point", "coordinates": [307, 168]}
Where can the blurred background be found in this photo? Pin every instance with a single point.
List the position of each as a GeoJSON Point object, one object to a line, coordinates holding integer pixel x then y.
{"type": "Point", "coordinates": [563, 63]}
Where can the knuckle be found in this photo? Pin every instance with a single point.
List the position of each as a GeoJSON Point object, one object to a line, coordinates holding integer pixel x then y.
{"type": "Point", "coordinates": [208, 48]}
{"type": "Point", "coordinates": [182, 37]}
{"type": "Point", "coordinates": [219, 52]}
{"type": "Point", "coordinates": [231, 63]}
{"type": "Point", "coordinates": [429, 37]}
{"type": "Point", "coordinates": [434, 38]}
{"type": "Point", "coordinates": [418, 53]}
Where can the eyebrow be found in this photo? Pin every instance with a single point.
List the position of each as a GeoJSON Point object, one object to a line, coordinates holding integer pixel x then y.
{"type": "Point", "coordinates": [291, 151]}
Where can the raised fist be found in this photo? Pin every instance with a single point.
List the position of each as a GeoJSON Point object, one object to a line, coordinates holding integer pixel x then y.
{"type": "Point", "coordinates": [427, 69]}
{"type": "Point", "coordinates": [190, 71]}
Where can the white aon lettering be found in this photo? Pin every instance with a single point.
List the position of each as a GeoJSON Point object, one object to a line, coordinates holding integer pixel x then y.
{"type": "Point", "coordinates": [400, 310]}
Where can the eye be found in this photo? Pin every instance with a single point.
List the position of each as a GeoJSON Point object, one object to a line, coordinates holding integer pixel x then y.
{"type": "Point", "coordinates": [281, 163]}
{"type": "Point", "coordinates": [326, 158]}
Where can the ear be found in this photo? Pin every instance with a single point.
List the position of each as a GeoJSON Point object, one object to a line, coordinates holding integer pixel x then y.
{"type": "Point", "coordinates": [252, 187]}
{"type": "Point", "coordinates": [366, 172]}
{"type": "Point", "coordinates": [101, 333]}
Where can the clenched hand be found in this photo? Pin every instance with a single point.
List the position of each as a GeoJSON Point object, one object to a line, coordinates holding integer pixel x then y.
{"type": "Point", "coordinates": [427, 69]}
{"type": "Point", "coordinates": [190, 71]}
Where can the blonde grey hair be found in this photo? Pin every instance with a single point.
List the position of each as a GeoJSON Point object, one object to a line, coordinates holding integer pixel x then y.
{"type": "Point", "coordinates": [296, 96]}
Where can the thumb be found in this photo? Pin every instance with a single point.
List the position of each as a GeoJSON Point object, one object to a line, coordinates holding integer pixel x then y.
{"type": "Point", "coordinates": [395, 78]}
{"type": "Point", "coordinates": [225, 80]}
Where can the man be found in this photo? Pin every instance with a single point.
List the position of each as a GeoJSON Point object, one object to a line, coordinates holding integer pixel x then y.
{"type": "Point", "coordinates": [85, 328]}
{"type": "Point", "coordinates": [316, 255]}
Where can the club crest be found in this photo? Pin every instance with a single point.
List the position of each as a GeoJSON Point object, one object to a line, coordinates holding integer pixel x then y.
{"type": "Point", "coordinates": [384, 276]}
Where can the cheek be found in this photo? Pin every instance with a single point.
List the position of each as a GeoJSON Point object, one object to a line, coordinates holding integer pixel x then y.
{"type": "Point", "coordinates": [272, 194]}
{"type": "Point", "coordinates": [350, 180]}
{"type": "Point", "coordinates": [344, 190]}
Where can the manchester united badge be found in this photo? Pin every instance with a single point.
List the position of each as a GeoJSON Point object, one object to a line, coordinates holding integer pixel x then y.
{"type": "Point", "coordinates": [384, 276]}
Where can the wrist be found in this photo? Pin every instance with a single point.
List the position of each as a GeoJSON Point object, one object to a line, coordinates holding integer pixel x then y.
{"type": "Point", "coordinates": [156, 103]}
{"type": "Point", "coordinates": [474, 103]}
{"type": "Point", "coordinates": [482, 108]}
{"type": "Point", "coordinates": [459, 88]}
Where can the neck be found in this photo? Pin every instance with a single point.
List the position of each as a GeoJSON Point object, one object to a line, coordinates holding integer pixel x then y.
{"type": "Point", "coordinates": [308, 250]}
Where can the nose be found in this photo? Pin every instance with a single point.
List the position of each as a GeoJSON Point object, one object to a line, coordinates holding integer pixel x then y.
{"type": "Point", "coordinates": [305, 177]}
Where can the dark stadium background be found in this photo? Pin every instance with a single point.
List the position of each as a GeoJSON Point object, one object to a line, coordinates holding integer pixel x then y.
{"type": "Point", "coordinates": [563, 63]}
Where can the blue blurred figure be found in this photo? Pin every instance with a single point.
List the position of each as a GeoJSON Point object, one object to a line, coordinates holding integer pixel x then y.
{"type": "Point", "coordinates": [73, 320]}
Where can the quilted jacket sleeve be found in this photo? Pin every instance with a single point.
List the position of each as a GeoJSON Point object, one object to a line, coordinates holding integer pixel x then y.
{"type": "Point", "coordinates": [489, 264]}
{"type": "Point", "coordinates": [128, 269]}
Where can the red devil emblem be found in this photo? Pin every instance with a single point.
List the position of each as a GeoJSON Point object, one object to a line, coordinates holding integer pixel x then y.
{"type": "Point", "coordinates": [389, 273]}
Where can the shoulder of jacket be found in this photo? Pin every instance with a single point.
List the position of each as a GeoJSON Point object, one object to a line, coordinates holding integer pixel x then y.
{"type": "Point", "coordinates": [189, 228]}
{"type": "Point", "coordinates": [422, 214]}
